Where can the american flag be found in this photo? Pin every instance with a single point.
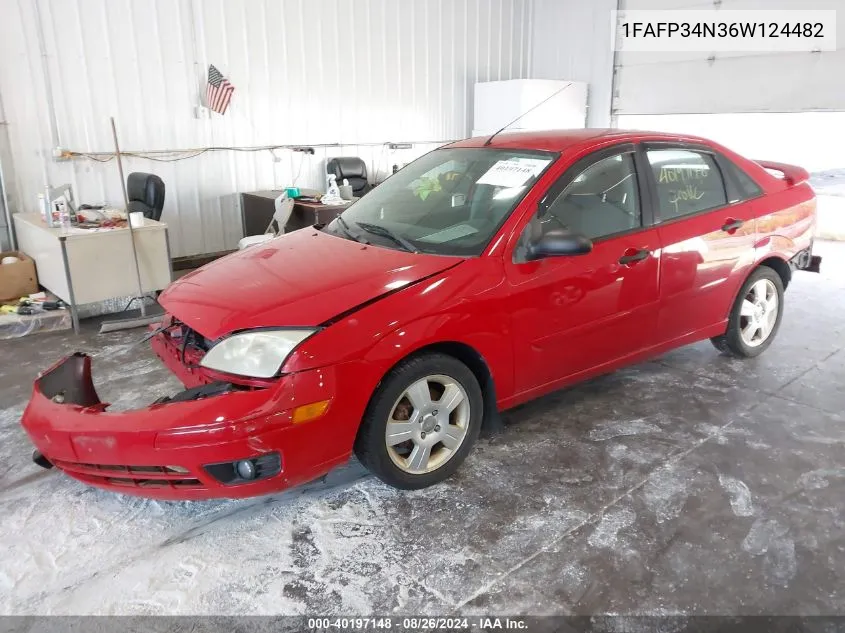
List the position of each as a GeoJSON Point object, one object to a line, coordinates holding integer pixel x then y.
{"type": "Point", "coordinates": [218, 92]}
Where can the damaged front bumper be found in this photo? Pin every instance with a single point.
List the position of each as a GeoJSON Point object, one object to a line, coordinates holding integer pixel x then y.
{"type": "Point", "coordinates": [190, 446]}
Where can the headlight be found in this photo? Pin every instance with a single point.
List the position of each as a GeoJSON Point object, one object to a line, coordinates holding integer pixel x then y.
{"type": "Point", "coordinates": [257, 354]}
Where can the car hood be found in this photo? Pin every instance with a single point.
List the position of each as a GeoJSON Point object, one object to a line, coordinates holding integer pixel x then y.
{"type": "Point", "coordinates": [304, 278]}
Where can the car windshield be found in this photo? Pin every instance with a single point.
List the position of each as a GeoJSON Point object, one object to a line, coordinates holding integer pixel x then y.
{"type": "Point", "coordinates": [448, 202]}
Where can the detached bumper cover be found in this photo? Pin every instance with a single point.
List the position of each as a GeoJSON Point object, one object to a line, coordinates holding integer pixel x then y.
{"type": "Point", "coordinates": [161, 451]}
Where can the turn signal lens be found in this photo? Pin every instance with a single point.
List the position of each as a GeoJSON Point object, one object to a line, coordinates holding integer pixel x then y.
{"type": "Point", "coordinates": [310, 411]}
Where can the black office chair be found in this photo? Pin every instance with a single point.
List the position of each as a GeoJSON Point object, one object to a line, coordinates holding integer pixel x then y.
{"type": "Point", "coordinates": [146, 194]}
{"type": "Point", "coordinates": [352, 169]}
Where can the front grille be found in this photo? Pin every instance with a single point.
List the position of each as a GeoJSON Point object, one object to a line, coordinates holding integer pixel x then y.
{"type": "Point", "coordinates": [117, 468]}
{"type": "Point", "coordinates": [131, 476]}
{"type": "Point", "coordinates": [152, 483]}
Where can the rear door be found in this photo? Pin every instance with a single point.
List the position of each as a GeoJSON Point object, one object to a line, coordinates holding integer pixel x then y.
{"type": "Point", "coordinates": [573, 314]}
{"type": "Point", "coordinates": [705, 217]}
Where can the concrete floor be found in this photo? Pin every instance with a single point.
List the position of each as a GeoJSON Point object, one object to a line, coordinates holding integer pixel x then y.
{"type": "Point", "coordinates": [693, 484]}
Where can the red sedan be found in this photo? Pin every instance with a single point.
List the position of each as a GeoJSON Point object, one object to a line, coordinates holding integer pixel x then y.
{"type": "Point", "coordinates": [482, 275]}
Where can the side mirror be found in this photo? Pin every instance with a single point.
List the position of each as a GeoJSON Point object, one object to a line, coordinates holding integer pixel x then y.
{"type": "Point", "coordinates": [559, 243]}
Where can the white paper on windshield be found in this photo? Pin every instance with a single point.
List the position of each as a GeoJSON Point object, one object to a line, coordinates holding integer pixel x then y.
{"type": "Point", "coordinates": [447, 235]}
{"type": "Point", "coordinates": [513, 172]}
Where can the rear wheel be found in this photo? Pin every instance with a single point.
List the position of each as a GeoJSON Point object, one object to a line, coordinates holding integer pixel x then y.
{"type": "Point", "coordinates": [421, 422]}
{"type": "Point", "coordinates": [755, 316]}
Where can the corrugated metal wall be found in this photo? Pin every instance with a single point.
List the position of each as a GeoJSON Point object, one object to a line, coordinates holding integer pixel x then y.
{"type": "Point", "coordinates": [571, 40]}
{"type": "Point", "coordinates": [5, 175]}
{"type": "Point", "coordinates": [305, 72]}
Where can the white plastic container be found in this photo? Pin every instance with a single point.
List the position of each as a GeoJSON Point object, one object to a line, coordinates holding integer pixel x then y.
{"type": "Point", "coordinates": [64, 217]}
{"type": "Point", "coordinates": [42, 208]}
{"type": "Point", "coordinates": [45, 209]}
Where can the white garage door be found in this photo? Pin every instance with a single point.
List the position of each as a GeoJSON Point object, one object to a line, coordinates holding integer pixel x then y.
{"type": "Point", "coordinates": [704, 82]}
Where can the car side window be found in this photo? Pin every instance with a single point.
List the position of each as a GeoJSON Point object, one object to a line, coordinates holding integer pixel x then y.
{"type": "Point", "coordinates": [739, 184]}
{"type": "Point", "coordinates": [601, 200]}
{"type": "Point", "coordinates": [687, 182]}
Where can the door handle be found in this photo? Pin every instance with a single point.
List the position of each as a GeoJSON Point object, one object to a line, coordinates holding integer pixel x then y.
{"type": "Point", "coordinates": [634, 255]}
{"type": "Point", "coordinates": [731, 225]}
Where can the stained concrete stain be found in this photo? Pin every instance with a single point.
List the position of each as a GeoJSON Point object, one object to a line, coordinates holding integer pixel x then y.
{"type": "Point", "coordinates": [608, 430]}
{"type": "Point", "coordinates": [818, 479]}
{"type": "Point", "coordinates": [740, 495]}
{"type": "Point", "coordinates": [770, 538]}
{"type": "Point", "coordinates": [666, 492]}
{"type": "Point", "coordinates": [606, 534]}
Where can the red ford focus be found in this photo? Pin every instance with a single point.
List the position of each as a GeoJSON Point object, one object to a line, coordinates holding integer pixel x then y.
{"type": "Point", "coordinates": [480, 276]}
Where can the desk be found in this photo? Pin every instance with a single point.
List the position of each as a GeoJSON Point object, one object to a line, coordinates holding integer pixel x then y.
{"type": "Point", "coordinates": [257, 209]}
{"type": "Point", "coordinates": [309, 213]}
{"type": "Point", "coordinates": [91, 266]}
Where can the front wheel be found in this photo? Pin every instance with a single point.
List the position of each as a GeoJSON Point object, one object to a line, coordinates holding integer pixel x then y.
{"type": "Point", "coordinates": [755, 316]}
{"type": "Point", "coordinates": [421, 422]}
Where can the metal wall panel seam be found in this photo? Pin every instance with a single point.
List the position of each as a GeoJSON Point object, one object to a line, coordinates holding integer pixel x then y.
{"type": "Point", "coordinates": [198, 28]}
{"type": "Point", "coordinates": [48, 88]}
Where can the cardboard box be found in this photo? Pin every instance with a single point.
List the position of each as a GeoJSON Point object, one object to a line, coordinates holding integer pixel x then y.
{"type": "Point", "coordinates": [19, 279]}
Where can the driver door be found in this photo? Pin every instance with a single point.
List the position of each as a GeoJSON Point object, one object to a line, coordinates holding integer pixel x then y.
{"type": "Point", "coordinates": [574, 314]}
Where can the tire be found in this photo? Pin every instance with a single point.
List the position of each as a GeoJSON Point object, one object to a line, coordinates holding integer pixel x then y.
{"type": "Point", "coordinates": [416, 422]}
{"type": "Point", "coordinates": [758, 313]}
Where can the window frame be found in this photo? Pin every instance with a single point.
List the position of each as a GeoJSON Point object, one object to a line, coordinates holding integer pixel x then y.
{"type": "Point", "coordinates": [644, 194]}
{"type": "Point", "coordinates": [732, 169]}
{"type": "Point", "coordinates": [647, 146]}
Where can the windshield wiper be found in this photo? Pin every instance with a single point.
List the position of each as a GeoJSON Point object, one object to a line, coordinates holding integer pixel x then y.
{"type": "Point", "coordinates": [377, 229]}
{"type": "Point", "coordinates": [355, 236]}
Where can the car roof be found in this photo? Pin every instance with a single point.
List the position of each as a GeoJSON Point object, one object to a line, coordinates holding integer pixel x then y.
{"type": "Point", "coordinates": [560, 140]}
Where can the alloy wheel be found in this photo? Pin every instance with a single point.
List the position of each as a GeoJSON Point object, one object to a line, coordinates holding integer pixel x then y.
{"type": "Point", "coordinates": [759, 313]}
{"type": "Point", "coordinates": [427, 424]}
